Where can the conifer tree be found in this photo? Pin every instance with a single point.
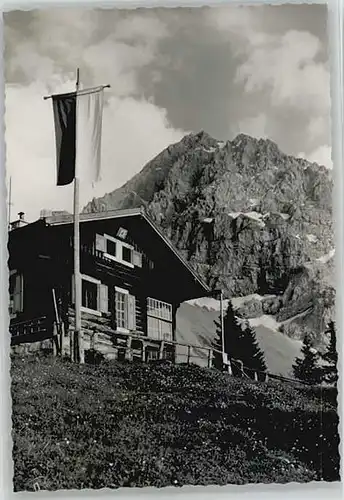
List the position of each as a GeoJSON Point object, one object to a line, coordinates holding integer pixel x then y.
{"type": "Point", "coordinates": [331, 356]}
{"type": "Point", "coordinates": [306, 369]}
{"type": "Point", "coordinates": [240, 344]}
{"type": "Point", "coordinates": [252, 357]}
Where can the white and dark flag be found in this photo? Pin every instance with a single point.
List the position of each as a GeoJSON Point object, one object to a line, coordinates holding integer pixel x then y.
{"type": "Point", "coordinates": [78, 130]}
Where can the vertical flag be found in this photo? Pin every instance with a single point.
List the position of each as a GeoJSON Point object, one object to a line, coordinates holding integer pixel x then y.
{"type": "Point", "coordinates": [78, 129]}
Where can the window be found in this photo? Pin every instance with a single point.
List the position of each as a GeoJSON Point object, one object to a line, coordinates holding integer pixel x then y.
{"type": "Point", "coordinates": [16, 292]}
{"type": "Point", "coordinates": [127, 254]}
{"type": "Point", "coordinates": [94, 295]}
{"type": "Point", "coordinates": [118, 251]}
{"type": "Point", "coordinates": [159, 319]}
{"type": "Point", "coordinates": [125, 310]}
{"type": "Point", "coordinates": [121, 310]}
{"type": "Point", "coordinates": [111, 247]}
{"type": "Point", "coordinates": [159, 309]}
{"type": "Point", "coordinates": [89, 295]}
{"type": "Point", "coordinates": [158, 329]}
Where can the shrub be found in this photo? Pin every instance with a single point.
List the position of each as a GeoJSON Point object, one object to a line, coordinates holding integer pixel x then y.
{"type": "Point", "coordinates": [307, 368]}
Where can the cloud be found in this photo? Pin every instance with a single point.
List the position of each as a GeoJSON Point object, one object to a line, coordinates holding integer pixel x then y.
{"type": "Point", "coordinates": [284, 69]}
{"type": "Point", "coordinates": [134, 131]}
{"type": "Point", "coordinates": [225, 70]}
{"type": "Point", "coordinates": [141, 28]}
{"type": "Point", "coordinates": [134, 128]}
{"type": "Point", "coordinates": [318, 127]}
{"type": "Point", "coordinates": [236, 20]}
{"type": "Point", "coordinates": [255, 126]}
{"type": "Point", "coordinates": [322, 156]}
{"type": "Point", "coordinates": [287, 67]}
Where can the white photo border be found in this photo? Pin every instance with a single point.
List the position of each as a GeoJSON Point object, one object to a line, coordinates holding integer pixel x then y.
{"type": "Point", "coordinates": [293, 491]}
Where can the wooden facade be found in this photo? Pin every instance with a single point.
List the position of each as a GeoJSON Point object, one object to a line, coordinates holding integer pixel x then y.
{"type": "Point", "coordinates": [133, 281]}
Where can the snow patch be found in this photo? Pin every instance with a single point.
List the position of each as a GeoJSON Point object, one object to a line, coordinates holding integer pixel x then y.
{"type": "Point", "coordinates": [239, 301]}
{"type": "Point", "coordinates": [265, 320]}
{"type": "Point", "coordinates": [221, 144]}
{"type": "Point", "coordinates": [207, 150]}
{"type": "Point", "coordinates": [285, 216]}
{"type": "Point", "coordinates": [253, 201]}
{"type": "Point", "coordinates": [214, 305]}
{"type": "Point", "coordinates": [311, 238]}
{"type": "Point", "coordinates": [208, 303]}
{"type": "Point", "coordinates": [256, 216]}
{"type": "Point", "coordinates": [325, 258]}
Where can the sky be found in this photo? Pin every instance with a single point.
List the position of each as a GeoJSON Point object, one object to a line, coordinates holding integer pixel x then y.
{"type": "Point", "coordinates": [262, 71]}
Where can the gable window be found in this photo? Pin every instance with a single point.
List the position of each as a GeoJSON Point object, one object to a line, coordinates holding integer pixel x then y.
{"type": "Point", "coordinates": [127, 254]}
{"type": "Point", "coordinates": [111, 247]}
{"type": "Point", "coordinates": [118, 251]}
{"type": "Point", "coordinates": [159, 319]}
{"type": "Point", "coordinates": [16, 292]}
{"type": "Point", "coordinates": [125, 305]}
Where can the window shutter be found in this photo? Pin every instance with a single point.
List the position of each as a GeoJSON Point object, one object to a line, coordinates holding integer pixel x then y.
{"type": "Point", "coordinates": [18, 294]}
{"type": "Point", "coordinates": [131, 313]}
{"type": "Point", "coordinates": [100, 243]}
{"type": "Point", "coordinates": [72, 293]}
{"type": "Point", "coordinates": [137, 258]}
{"type": "Point", "coordinates": [103, 301]}
{"type": "Point", "coordinates": [21, 278]}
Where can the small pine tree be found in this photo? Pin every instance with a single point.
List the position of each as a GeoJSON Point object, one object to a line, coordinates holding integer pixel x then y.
{"type": "Point", "coordinates": [239, 344]}
{"type": "Point", "coordinates": [306, 369]}
{"type": "Point", "coordinates": [252, 356]}
{"type": "Point", "coordinates": [330, 371]}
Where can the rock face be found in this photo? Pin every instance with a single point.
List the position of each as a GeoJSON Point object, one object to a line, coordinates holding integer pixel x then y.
{"type": "Point", "coordinates": [249, 218]}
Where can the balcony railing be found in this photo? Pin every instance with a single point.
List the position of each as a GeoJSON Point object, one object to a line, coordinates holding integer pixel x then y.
{"type": "Point", "coordinates": [29, 327]}
{"type": "Point", "coordinates": [90, 250]}
{"type": "Point", "coordinates": [98, 256]}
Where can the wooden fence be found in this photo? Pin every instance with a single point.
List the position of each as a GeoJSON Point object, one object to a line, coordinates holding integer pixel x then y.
{"type": "Point", "coordinates": [161, 347]}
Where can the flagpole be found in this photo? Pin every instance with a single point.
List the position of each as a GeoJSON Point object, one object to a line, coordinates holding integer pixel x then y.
{"type": "Point", "coordinates": [78, 347]}
{"type": "Point", "coordinates": [77, 351]}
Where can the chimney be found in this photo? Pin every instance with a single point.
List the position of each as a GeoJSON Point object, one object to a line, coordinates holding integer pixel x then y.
{"type": "Point", "coordinates": [45, 213]}
{"type": "Point", "coordinates": [20, 222]}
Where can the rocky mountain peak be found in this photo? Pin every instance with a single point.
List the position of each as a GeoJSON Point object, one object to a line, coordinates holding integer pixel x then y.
{"type": "Point", "coordinates": [271, 214]}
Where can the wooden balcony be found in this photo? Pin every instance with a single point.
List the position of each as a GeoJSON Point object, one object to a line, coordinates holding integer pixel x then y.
{"type": "Point", "coordinates": [91, 259]}
{"type": "Point", "coordinates": [31, 330]}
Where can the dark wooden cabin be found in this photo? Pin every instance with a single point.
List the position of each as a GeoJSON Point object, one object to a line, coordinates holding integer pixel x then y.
{"type": "Point", "coordinates": [133, 281]}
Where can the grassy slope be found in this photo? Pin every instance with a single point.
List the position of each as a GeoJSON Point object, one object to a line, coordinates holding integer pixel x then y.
{"type": "Point", "coordinates": [122, 424]}
{"type": "Point", "coordinates": [195, 325]}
